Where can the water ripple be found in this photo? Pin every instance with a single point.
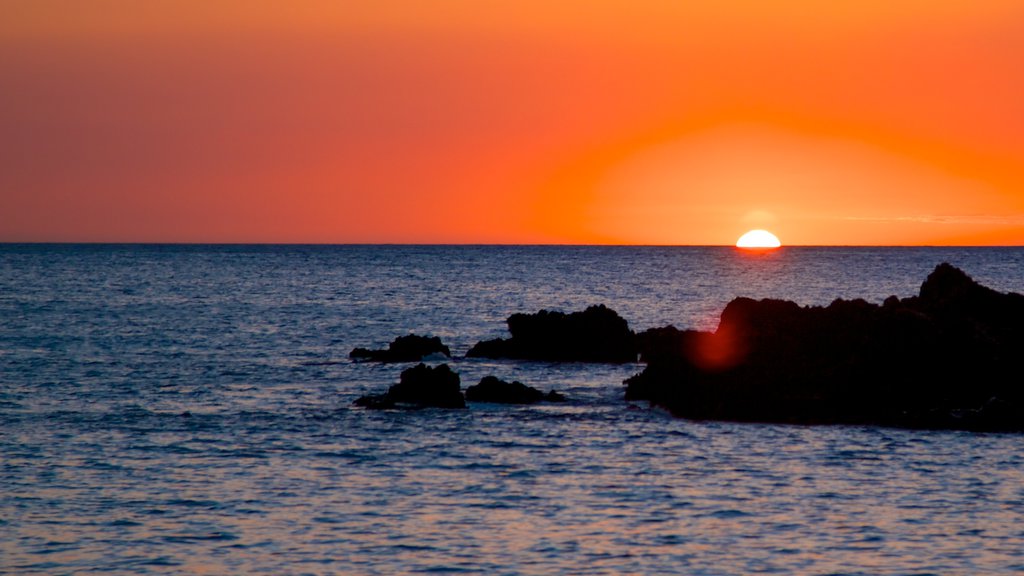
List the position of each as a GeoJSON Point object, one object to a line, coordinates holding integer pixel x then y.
{"type": "Point", "coordinates": [188, 410]}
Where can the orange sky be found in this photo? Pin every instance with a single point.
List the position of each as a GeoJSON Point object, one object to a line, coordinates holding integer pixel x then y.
{"type": "Point", "coordinates": [648, 121]}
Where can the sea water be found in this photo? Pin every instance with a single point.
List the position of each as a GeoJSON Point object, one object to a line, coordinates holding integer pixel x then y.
{"type": "Point", "coordinates": [187, 410]}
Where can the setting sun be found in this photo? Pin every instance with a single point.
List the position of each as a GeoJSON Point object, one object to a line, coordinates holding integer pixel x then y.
{"type": "Point", "coordinates": [758, 239]}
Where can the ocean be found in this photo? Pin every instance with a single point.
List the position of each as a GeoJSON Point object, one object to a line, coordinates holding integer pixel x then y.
{"type": "Point", "coordinates": [187, 409]}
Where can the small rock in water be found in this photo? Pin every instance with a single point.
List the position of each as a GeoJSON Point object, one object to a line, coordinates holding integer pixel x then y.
{"type": "Point", "coordinates": [420, 386]}
{"type": "Point", "coordinates": [553, 396]}
{"type": "Point", "coordinates": [411, 348]}
{"type": "Point", "coordinates": [491, 389]}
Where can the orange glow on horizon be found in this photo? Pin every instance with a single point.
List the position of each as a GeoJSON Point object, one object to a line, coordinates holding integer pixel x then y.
{"type": "Point", "coordinates": [849, 123]}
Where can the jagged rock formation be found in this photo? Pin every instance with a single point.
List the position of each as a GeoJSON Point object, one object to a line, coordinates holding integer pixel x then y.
{"type": "Point", "coordinates": [597, 334]}
{"type": "Point", "coordinates": [951, 357]}
{"type": "Point", "coordinates": [411, 348]}
{"type": "Point", "coordinates": [491, 389]}
{"type": "Point", "coordinates": [420, 387]}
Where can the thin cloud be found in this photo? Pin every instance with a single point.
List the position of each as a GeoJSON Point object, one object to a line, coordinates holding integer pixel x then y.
{"type": "Point", "coordinates": [1016, 220]}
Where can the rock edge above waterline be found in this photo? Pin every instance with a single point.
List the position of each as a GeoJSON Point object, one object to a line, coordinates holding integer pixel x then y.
{"type": "Point", "coordinates": [491, 389]}
{"type": "Point", "coordinates": [410, 348]}
{"type": "Point", "coordinates": [423, 386]}
{"type": "Point", "coordinates": [597, 334]}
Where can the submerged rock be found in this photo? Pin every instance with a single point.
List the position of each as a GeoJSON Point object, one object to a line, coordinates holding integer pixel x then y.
{"type": "Point", "coordinates": [950, 357]}
{"type": "Point", "coordinates": [491, 389]}
{"type": "Point", "coordinates": [375, 402]}
{"type": "Point", "coordinates": [411, 348]}
{"type": "Point", "coordinates": [597, 334]}
{"type": "Point", "coordinates": [420, 386]}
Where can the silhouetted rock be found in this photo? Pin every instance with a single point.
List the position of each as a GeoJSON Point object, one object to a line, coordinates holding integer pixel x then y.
{"type": "Point", "coordinates": [553, 396]}
{"type": "Point", "coordinates": [948, 358]}
{"type": "Point", "coordinates": [491, 389]}
{"type": "Point", "coordinates": [420, 386]}
{"type": "Point", "coordinates": [598, 334]}
{"type": "Point", "coordinates": [411, 348]}
{"type": "Point", "coordinates": [667, 342]}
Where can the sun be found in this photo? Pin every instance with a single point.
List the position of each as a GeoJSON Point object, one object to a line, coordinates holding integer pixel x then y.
{"type": "Point", "coordinates": [758, 239]}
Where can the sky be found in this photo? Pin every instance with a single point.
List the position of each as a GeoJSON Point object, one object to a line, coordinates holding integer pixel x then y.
{"type": "Point", "coordinates": [875, 122]}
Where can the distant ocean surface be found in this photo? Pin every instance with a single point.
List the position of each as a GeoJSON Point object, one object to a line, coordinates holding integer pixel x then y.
{"type": "Point", "coordinates": [187, 410]}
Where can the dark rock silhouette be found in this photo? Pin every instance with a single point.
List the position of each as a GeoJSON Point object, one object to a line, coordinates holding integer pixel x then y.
{"type": "Point", "coordinates": [411, 348]}
{"type": "Point", "coordinates": [491, 389]}
{"type": "Point", "coordinates": [659, 343]}
{"type": "Point", "coordinates": [951, 357]}
{"type": "Point", "coordinates": [597, 334]}
{"type": "Point", "coordinates": [553, 396]}
{"type": "Point", "coordinates": [420, 386]}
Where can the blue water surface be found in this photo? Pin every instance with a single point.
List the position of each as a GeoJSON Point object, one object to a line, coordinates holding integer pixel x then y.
{"type": "Point", "coordinates": [187, 409]}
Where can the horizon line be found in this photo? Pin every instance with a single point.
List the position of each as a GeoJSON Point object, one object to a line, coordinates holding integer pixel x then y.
{"type": "Point", "coordinates": [478, 244]}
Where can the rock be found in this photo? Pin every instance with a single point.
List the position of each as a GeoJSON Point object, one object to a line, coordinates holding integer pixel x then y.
{"type": "Point", "coordinates": [553, 396]}
{"type": "Point", "coordinates": [491, 389]}
{"type": "Point", "coordinates": [597, 334]}
{"type": "Point", "coordinates": [425, 386]}
{"type": "Point", "coordinates": [947, 358]}
{"type": "Point", "coordinates": [667, 342]}
{"type": "Point", "coordinates": [420, 386]}
{"type": "Point", "coordinates": [411, 348]}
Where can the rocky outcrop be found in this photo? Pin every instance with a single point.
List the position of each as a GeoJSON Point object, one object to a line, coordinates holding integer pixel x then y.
{"type": "Point", "coordinates": [951, 357]}
{"type": "Point", "coordinates": [597, 334]}
{"type": "Point", "coordinates": [491, 389]}
{"type": "Point", "coordinates": [420, 387]}
{"type": "Point", "coordinates": [411, 348]}
{"type": "Point", "coordinates": [657, 343]}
